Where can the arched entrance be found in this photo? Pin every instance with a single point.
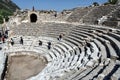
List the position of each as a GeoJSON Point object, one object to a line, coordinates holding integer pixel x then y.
{"type": "Point", "coordinates": [33, 17]}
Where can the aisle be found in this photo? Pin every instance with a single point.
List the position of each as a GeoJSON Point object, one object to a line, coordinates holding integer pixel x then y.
{"type": "Point", "coordinates": [2, 59]}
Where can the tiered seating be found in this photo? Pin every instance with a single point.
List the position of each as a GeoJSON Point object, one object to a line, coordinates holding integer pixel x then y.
{"type": "Point", "coordinates": [86, 52]}
{"type": "Point", "coordinates": [95, 43]}
{"type": "Point", "coordinates": [51, 16]}
{"type": "Point", "coordinates": [115, 13]}
{"type": "Point", "coordinates": [97, 13]}
{"type": "Point", "coordinates": [116, 71]}
{"type": "Point", "coordinates": [43, 29]}
{"type": "Point", "coordinates": [77, 14]}
{"type": "Point", "coordinates": [73, 58]}
{"type": "Point", "coordinates": [90, 14]}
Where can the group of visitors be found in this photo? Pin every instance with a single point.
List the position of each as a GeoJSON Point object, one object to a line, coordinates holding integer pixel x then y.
{"type": "Point", "coordinates": [49, 44]}
{"type": "Point", "coordinates": [21, 42]}
{"type": "Point", "coordinates": [60, 37]}
{"type": "Point", "coordinates": [12, 41]}
{"type": "Point", "coordinates": [3, 36]}
{"type": "Point", "coordinates": [40, 42]}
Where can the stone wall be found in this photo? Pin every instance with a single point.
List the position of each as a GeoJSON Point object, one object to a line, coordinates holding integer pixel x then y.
{"type": "Point", "coordinates": [111, 23]}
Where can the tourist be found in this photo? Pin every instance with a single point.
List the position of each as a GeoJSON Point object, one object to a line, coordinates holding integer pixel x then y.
{"type": "Point", "coordinates": [89, 57]}
{"type": "Point", "coordinates": [0, 36]}
{"type": "Point", "coordinates": [49, 45]}
{"type": "Point", "coordinates": [6, 34]}
{"type": "Point", "coordinates": [55, 14]}
{"type": "Point", "coordinates": [60, 37]}
{"type": "Point", "coordinates": [12, 42]}
{"type": "Point", "coordinates": [85, 48]}
{"type": "Point", "coordinates": [99, 60]}
{"type": "Point", "coordinates": [21, 40]}
{"type": "Point", "coordinates": [3, 38]}
{"type": "Point", "coordinates": [62, 13]}
{"type": "Point", "coordinates": [98, 54]}
{"type": "Point", "coordinates": [88, 44]}
{"type": "Point", "coordinates": [82, 61]}
{"type": "Point", "coordinates": [40, 43]}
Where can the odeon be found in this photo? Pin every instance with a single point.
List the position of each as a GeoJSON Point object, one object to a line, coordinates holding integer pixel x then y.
{"type": "Point", "coordinates": [86, 52]}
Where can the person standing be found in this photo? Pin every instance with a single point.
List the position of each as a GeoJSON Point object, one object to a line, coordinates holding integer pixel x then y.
{"type": "Point", "coordinates": [49, 45]}
{"type": "Point", "coordinates": [0, 36]}
{"type": "Point", "coordinates": [6, 34]}
{"type": "Point", "coordinates": [60, 37]}
{"type": "Point", "coordinates": [3, 38]}
{"type": "Point", "coordinates": [12, 42]}
{"type": "Point", "coordinates": [21, 40]}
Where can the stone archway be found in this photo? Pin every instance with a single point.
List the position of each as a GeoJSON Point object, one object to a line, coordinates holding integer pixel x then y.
{"type": "Point", "coordinates": [33, 17]}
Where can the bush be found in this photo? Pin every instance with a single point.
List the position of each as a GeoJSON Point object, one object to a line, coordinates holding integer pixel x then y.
{"type": "Point", "coordinates": [95, 4]}
{"type": "Point", "coordinates": [112, 1]}
{"type": "Point", "coordinates": [1, 19]}
{"type": "Point", "coordinates": [4, 14]}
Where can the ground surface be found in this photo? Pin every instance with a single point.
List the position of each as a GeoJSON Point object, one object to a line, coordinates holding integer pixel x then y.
{"type": "Point", "coordinates": [23, 66]}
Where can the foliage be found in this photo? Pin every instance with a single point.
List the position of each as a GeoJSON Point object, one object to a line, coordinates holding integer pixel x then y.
{"type": "Point", "coordinates": [4, 14]}
{"type": "Point", "coordinates": [6, 9]}
{"type": "Point", "coordinates": [106, 3]}
{"type": "Point", "coordinates": [112, 1]}
{"type": "Point", "coordinates": [95, 4]}
{"type": "Point", "coordinates": [1, 19]}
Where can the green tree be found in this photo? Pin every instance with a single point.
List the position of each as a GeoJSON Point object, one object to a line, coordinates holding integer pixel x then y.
{"type": "Point", "coordinates": [95, 4]}
{"type": "Point", "coordinates": [4, 14]}
{"type": "Point", "coordinates": [112, 1]}
{"type": "Point", "coordinates": [7, 9]}
{"type": "Point", "coordinates": [1, 19]}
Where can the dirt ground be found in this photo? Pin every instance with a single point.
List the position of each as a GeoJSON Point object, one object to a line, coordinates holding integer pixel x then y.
{"type": "Point", "coordinates": [23, 66]}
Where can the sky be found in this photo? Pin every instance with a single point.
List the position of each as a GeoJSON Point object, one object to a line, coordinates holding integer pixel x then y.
{"type": "Point", "coordinates": [57, 5]}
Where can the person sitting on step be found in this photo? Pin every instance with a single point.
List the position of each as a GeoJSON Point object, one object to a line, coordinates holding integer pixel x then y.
{"type": "Point", "coordinates": [40, 43]}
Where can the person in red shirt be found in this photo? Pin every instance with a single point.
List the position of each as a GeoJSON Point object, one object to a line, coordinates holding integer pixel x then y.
{"type": "Point", "coordinates": [3, 39]}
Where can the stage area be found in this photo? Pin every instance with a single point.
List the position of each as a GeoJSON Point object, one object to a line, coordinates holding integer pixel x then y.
{"type": "Point", "coordinates": [21, 67]}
